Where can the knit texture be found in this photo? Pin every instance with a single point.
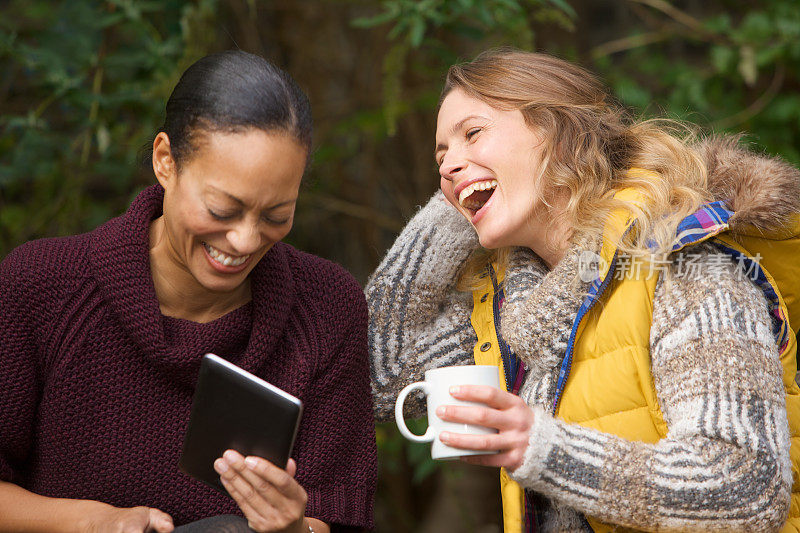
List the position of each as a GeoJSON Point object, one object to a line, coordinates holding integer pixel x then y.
{"type": "Point", "coordinates": [96, 385]}
{"type": "Point", "coordinates": [718, 379]}
{"type": "Point", "coordinates": [418, 320]}
{"type": "Point", "coordinates": [725, 462]}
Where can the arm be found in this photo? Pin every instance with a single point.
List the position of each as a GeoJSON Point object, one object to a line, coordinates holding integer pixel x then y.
{"type": "Point", "coordinates": [24, 511]}
{"type": "Point", "coordinates": [724, 464]}
{"type": "Point", "coordinates": [418, 320]}
{"type": "Point", "coordinates": [342, 478]}
{"type": "Point", "coordinates": [21, 510]}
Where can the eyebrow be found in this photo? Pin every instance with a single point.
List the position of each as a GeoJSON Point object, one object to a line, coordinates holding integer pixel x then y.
{"type": "Point", "coordinates": [241, 203]}
{"type": "Point", "coordinates": [457, 126]}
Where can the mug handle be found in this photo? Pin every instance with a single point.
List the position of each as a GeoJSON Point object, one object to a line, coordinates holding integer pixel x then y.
{"type": "Point", "coordinates": [398, 413]}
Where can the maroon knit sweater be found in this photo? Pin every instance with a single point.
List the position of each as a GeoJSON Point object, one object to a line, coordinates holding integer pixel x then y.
{"type": "Point", "coordinates": [96, 385]}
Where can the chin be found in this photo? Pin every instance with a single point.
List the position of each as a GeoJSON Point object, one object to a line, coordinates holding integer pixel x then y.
{"type": "Point", "coordinates": [218, 283]}
{"type": "Point", "coordinates": [490, 242]}
{"type": "Point", "coordinates": [221, 286]}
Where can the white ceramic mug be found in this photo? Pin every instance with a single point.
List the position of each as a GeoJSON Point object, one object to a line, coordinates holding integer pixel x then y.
{"type": "Point", "coordinates": [436, 388]}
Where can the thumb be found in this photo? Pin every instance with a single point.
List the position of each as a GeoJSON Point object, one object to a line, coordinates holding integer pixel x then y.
{"type": "Point", "coordinates": [291, 467]}
{"type": "Point", "coordinates": [160, 522]}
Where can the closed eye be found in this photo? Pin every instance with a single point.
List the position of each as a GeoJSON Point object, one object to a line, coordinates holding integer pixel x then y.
{"type": "Point", "coordinates": [221, 216]}
{"type": "Point", "coordinates": [275, 222]}
{"type": "Point", "coordinates": [471, 133]}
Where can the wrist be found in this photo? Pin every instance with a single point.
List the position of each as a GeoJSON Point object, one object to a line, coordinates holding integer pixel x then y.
{"type": "Point", "coordinates": [302, 526]}
{"type": "Point", "coordinates": [83, 514]}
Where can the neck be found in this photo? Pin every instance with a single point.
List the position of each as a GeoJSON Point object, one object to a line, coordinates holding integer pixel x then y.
{"type": "Point", "coordinates": [552, 243]}
{"type": "Point", "coordinates": [178, 292]}
{"type": "Point", "coordinates": [550, 254]}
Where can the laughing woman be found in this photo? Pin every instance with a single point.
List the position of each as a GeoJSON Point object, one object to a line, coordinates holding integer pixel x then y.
{"type": "Point", "coordinates": [634, 288]}
{"type": "Point", "coordinates": [103, 333]}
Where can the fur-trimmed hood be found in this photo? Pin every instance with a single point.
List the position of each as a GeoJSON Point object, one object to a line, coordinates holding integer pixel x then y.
{"type": "Point", "coordinates": [762, 191]}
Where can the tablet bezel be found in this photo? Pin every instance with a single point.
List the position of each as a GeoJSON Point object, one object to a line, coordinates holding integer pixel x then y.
{"type": "Point", "coordinates": [209, 433]}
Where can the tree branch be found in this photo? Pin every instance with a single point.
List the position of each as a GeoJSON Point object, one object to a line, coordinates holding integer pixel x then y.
{"type": "Point", "coordinates": [632, 41]}
{"type": "Point", "coordinates": [758, 105]}
{"type": "Point", "coordinates": [337, 205]}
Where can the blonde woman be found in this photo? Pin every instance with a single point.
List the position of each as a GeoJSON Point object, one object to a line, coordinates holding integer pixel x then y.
{"type": "Point", "coordinates": [635, 288]}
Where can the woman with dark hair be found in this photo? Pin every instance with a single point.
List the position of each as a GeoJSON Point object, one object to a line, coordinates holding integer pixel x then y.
{"type": "Point", "coordinates": [637, 288]}
{"type": "Point", "coordinates": [102, 334]}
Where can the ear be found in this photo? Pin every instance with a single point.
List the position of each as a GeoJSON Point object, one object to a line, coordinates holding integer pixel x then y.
{"type": "Point", "coordinates": [164, 165]}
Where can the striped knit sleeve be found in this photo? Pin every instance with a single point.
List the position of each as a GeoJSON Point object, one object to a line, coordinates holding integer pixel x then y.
{"type": "Point", "coordinates": [418, 320]}
{"type": "Point", "coordinates": [724, 464]}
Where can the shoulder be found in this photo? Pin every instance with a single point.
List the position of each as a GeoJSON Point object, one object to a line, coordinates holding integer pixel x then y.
{"type": "Point", "coordinates": [47, 261]}
{"type": "Point", "coordinates": [703, 273]}
{"type": "Point", "coordinates": [37, 275]}
{"type": "Point", "coordinates": [708, 295]}
{"type": "Point", "coordinates": [327, 286]}
{"type": "Point", "coordinates": [703, 269]}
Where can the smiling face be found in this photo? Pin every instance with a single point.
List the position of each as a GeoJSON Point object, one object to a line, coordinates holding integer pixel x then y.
{"type": "Point", "coordinates": [489, 165]}
{"type": "Point", "coordinates": [228, 205]}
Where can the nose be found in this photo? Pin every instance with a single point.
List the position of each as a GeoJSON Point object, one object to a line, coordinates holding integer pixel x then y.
{"type": "Point", "coordinates": [451, 166]}
{"type": "Point", "coordinates": [245, 238]}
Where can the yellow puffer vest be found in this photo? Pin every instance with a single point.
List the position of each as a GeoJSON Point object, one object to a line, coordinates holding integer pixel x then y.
{"type": "Point", "coordinates": [487, 352]}
{"type": "Point", "coordinates": [610, 342]}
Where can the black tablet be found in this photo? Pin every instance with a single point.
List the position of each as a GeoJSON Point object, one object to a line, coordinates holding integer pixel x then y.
{"type": "Point", "coordinates": [233, 409]}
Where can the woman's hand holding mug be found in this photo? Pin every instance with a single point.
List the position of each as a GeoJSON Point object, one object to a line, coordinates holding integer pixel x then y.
{"type": "Point", "coordinates": [436, 387]}
{"type": "Point", "coordinates": [502, 411]}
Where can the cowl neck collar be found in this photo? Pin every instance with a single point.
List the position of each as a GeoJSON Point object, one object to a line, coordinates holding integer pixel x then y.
{"type": "Point", "coordinates": [541, 306]}
{"type": "Point", "coordinates": [121, 265]}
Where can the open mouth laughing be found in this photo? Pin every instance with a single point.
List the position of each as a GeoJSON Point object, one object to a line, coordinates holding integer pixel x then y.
{"type": "Point", "coordinates": [475, 195]}
{"type": "Point", "coordinates": [224, 259]}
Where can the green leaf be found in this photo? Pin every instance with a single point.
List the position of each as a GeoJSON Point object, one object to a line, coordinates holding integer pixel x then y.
{"type": "Point", "coordinates": [424, 469]}
{"type": "Point", "coordinates": [484, 15]}
{"type": "Point", "coordinates": [769, 55]}
{"type": "Point", "coordinates": [110, 19]}
{"type": "Point", "coordinates": [723, 58]}
{"type": "Point", "coordinates": [756, 28]}
{"type": "Point", "coordinates": [469, 31]}
{"type": "Point", "coordinates": [417, 32]}
{"type": "Point", "coordinates": [747, 65]}
{"type": "Point", "coordinates": [718, 24]}
{"type": "Point", "coordinates": [633, 94]}
{"type": "Point", "coordinates": [511, 5]}
{"type": "Point", "coordinates": [377, 20]}
{"type": "Point", "coordinates": [565, 7]}
{"type": "Point", "coordinates": [784, 108]}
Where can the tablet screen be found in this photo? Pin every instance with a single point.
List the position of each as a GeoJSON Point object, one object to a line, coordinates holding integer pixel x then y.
{"type": "Point", "coordinates": [233, 409]}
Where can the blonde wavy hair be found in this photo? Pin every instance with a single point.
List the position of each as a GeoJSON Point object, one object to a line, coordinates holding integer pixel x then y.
{"type": "Point", "coordinates": [590, 144]}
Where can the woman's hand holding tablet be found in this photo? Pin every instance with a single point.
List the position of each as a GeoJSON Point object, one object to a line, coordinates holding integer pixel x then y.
{"type": "Point", "coordinates": [270, 497]}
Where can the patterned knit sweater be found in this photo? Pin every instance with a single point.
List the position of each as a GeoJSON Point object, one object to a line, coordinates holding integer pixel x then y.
{"type": "Point", "coordinates": [96, 385]}
{"type": "Point", "coordinates": [724, 464]}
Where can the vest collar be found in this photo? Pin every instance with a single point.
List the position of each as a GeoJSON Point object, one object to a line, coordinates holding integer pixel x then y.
{"type": "Point", "coordinates": [710, 220]}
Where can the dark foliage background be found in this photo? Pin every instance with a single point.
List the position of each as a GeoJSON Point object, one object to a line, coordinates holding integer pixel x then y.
{"type": "Point", "coordinates": [83, 85]}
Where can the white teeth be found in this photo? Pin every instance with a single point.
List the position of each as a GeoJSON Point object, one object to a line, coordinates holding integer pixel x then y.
{"type": "Point", "coordinates": [225, 259]}
{"type": "Point", "coordinates": [469, 189]}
